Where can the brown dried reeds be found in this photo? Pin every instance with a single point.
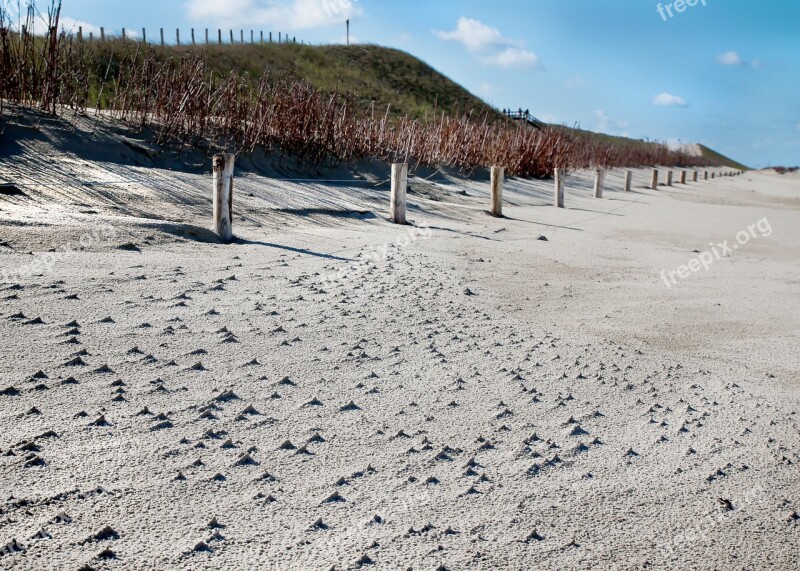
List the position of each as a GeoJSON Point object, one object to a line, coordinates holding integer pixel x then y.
{"type": "Point", "coordinates": [185, 102]}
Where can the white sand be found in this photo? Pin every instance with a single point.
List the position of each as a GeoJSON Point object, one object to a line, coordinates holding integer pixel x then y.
{"type": "Point", "coordinates": [519, 403]}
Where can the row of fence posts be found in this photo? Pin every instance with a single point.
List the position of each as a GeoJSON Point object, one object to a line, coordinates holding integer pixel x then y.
{"type": "Point", "coordinates": [282, 38]}
{"type": "Point", "coordinates": [223, 190]}
{"type": "Point", "coordinates": [600, 175]}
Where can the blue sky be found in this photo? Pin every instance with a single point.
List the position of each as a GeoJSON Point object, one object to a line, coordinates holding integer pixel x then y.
{"type": "Point", "coordinates": [725, 73]}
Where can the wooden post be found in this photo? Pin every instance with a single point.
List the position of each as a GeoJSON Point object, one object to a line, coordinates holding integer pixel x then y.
{"type": "Point", "coordinates": [599, 180]}
{"type": "Point", "coordinates": [144, 36]}
{"type": "Point", "coordinates": [713, 175]}
{"type": "Point", "coordinates": [628, 179]}
{"type": "Point", "coordinates": [262, 36]}
{"type": "Point", "coordinates": [231, 37]}
{"type": "Point", "coordinates": [123, 34]}
{"type": "Point", "coordinates": [280, 37]}
{"type": "Point", "coordinates": [193, 42]}
{"type": "Point", "coordinates": [559, 188]}
{"type": "Point", "coordinates": [177, 37]}
{"type": "Point", "coordinates": [223, 195]}
{"type": "Point", "coordinates": [80, 33]}
{"type": "Point", "coordinates": [694, 176]}
{"type": "Point", "coordinates": [498, 174]}
{"type": "Point", "coordinates": [102, 34]}
{"type": "Point", "coordinates": [669, 178]}
{"type": "Point", "coordinates": [206, 36]}
{"type": "Point", "coordinates": [162, 37]}
{"type": "Point", "coordinates": [241, 37]}
{"type": "Point", "coordinates": [270, 37]}
{"type": "Point", "coordinates": [252, 41]}
{"type": "Point", "coordinates": [397, 209]}
{"type": "Point", "coordinates": [705, 175]}
{"type": "Point", "coordinates": [683, 177]}
{"type": "Point", "coordinates": [219, 32]}
{"type": "Point", "coordinates": [91, 37]}
{"type": "Point", "coordinates": [654, 184]}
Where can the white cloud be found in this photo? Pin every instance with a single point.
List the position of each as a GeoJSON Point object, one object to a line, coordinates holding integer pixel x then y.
{"type": "Point", "coordinates": [729, 58]}
{"type": "Point", "coordinates": [733, 59]}
{"type": "Point", "coordinates": [512, 58]}
{"type": "Point", "coordinates": [285, 14]}
{"type": "Point", "coordinates": [669, 100]}
{"type": "Point", "coordinates": [474, 35]}
{"type": "Point", "coordinates": [489, 46]}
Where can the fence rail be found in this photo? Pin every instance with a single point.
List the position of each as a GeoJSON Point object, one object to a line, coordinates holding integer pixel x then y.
{"type": "Point", "coordinates": [256, 37]}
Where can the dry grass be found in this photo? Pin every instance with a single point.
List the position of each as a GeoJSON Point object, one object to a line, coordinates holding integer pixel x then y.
{"type": "Point", "coordinates": [183, 100]}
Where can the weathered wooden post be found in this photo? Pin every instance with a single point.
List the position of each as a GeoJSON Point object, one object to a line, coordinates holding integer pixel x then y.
{"type": "Point", "coordinates": [177, 37]}
{"type": "Point", "coordinates": [270, 37]}
{"type": "Point", "coordinates": [397, 208]}
{"type": "Point", "coordinates": [162, 37]}
{"type": "Point", "coordinates": [252, 41]}
{"type": "Point", "coordinates": [223, 195]}
{"type": "Point", "coordinates": [599, 181]}
{"type": "Point", "coordinates": [683, 177]}
{"type": "Point", "coordinates": [231, 37]}
{"type": "Point", "coordinates": [193, 42]}
{"type": "Point", "coordinates": [262, 36]}
{"type": "Point", "coordinates": [498, 174]}
{"type": "Point", "coordinates": [80, 33]}
{"type": "Point", "coordinates": [91, 37]}
{"type": "Point", "coordinates": [628, 179]}
{"type": "Point", "coordinates": [206, 36]}
{"type": "Point", "coordinates": [654, 183]}
{"type": "Point", "coordinates": [669, 178]}
{"type": "Point", "coordinates": [713, 175]}
{"type": "Point", "coordinates": [102, 34]}
{"type": "Point", "coordinates": [144, 36]}
{"type": "Point", "coordinates": [124, 35]}
{"type": "Point", "coordinates": [694, 176]}
{"type": "Point", "coordinates": [241, 37]}
{"type": "Point", "coordinates": [219, 34]}
{"type": "Point", "coordinates": [280, 37]}
{"type": "Point", "coordinates": [559, 188]}
{"type": "Point", "coordinates": [705, 175]}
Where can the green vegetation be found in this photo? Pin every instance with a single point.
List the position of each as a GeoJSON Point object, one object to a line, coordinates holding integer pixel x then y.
{"type": "Point", "coordinates": [371, 73]}
{"type": "Point", "coordinates": [715, 157]}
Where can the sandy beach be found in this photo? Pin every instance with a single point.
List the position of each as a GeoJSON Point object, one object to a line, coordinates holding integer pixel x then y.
{"type": "Point", "coordinates": [332, 391]}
